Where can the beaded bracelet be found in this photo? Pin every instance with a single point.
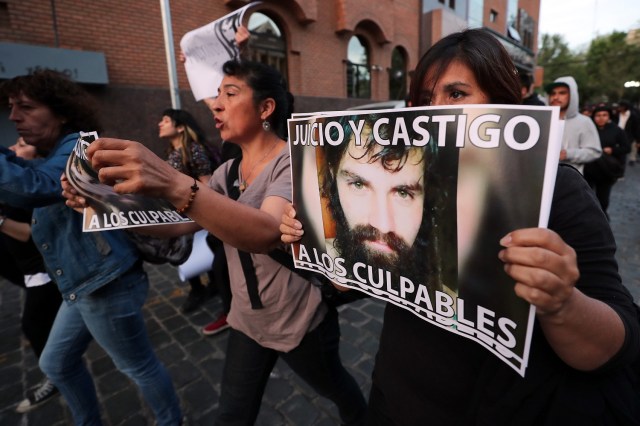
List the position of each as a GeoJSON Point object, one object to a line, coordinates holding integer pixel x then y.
{"type": "Point", "coordinates": [192, 196]}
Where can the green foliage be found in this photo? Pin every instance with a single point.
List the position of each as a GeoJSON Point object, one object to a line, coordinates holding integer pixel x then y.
{"type": "Point", "coordinates": [600, 72]}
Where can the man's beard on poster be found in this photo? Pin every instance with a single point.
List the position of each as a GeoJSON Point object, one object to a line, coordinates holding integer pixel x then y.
{"type": "Point", "coordinates": [351, 244]}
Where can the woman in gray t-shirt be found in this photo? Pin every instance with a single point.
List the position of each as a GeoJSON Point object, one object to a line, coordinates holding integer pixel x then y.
{"type": "Point", "coordinates": [283, 315]}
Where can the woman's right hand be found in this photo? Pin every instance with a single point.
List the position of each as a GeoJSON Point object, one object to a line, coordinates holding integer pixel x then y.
{"type": "Point", "coordinates": [73, 199]}
{"type": "Point", "coordinates": [290, 227]}
{"type": "Point", "coordinates": [133, 168]}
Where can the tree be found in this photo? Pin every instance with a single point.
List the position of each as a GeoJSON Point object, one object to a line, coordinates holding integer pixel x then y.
{"type": "Point", "coordinates": [558, 61]}
{"type": "Point", "coordinates": [611, 62]}
{"type": "Point", "coordinates": [600, 72]}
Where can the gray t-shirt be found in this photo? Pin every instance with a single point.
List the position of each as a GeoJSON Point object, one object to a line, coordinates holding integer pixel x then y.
{"type": "Point", "coordinates": [292, 306]}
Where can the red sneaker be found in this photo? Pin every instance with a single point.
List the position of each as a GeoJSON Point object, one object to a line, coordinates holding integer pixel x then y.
{"type": "Point", "coordinates": [216, 326]}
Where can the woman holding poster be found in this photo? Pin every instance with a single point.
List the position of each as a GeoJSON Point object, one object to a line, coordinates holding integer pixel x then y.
{"type": "Point", "coordinates": [582, 368]}
{"type": "Point", "coordinates": [274, 312]}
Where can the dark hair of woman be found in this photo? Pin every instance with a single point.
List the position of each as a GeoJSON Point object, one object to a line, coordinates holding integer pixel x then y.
{"type": "Point", "coordinates": [266, 82]}
{"type": "Point", "coordinates": [192, 132]}
{"type": "Point", "coordinates": [482, 53]}
{"type": "Point", "coordinates": [65, 98]}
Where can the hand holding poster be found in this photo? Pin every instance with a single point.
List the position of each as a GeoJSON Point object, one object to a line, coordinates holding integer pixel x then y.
{"type": "Point", "coordinates": [409, 206]}
{"type": "Point", "coordinates": [207, 48]}
{"type": "Point", "coordinates": [108, 210]}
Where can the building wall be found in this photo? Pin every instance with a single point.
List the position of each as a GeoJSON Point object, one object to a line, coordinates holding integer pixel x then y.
{"type": "Point", "coordinates": [130, 34]}
{"type": "Point", "coordinates": [532, 7]}
{"type": "Point", "coordinates": [317, 33]}
{"type": "Point", "coordinates": [500, 6]}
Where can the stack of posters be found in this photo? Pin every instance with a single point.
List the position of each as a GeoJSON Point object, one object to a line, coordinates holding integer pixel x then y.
{"type": "Point", "coordinates": [409, 205]}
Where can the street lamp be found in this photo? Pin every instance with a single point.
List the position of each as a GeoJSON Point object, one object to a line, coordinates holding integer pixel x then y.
{"type": "Point", "coordinates": [632, 84]}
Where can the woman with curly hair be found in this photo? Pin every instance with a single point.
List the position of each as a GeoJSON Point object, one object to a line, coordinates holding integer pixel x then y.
{"type": "Point", "coordinates": [99, 274]}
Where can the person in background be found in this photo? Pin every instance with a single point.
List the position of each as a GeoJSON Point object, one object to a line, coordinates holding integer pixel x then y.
{"type": "Point", "coordinates": [187, 154]}
{"type": "Point", "coordinates": [42, 299]}
{"type": "Point", "coordinates": [99, 274]}
{"type": "Point", "coordinates": [629, 121]}
{"type": "Point", "coordinates": [529, 96]}
{"type": "Point", "coordinates": [587, 110]}
{"type": "Point", "coordinates": [585, 346]}
{"type": "Point", "coordinates": [220, 270]}
{"type": "Point", "coordinates": [275, 313]}
{"type": "Point", "coordinates": [580, 143]}
{"type": "Point", "coordinates": [603, 173]}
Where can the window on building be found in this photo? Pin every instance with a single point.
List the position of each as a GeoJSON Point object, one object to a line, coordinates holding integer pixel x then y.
{"type": "Point", "coordinates": [475, 13]}
{"type": "Point", "coordinates": [4, 15]}
{"type": "Point", "coordinates": [267, 43]}
{"type": "Point", "coordinates": [398, 75]}
{"type": "Point", "coordinates": [526, 26]}
{"type": "Point", "coordinates": [512, 13]}
{"type": "Point", "coordinates": [493, 16]}
{"type": "Point", "coordinates": [450, 3]}
{"type": "Point", "coordinates": [358, 70]}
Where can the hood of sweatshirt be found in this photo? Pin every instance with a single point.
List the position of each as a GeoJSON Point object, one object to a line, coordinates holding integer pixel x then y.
{"type": "Point", "coordinates": [572, 109]}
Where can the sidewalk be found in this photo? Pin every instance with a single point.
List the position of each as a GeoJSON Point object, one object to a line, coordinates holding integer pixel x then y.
{"type": "Point", "coordinates": [195, 362]}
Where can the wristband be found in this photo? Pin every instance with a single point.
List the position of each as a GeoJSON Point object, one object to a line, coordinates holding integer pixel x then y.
{"type": "Point", "coordinates": [192, 196]}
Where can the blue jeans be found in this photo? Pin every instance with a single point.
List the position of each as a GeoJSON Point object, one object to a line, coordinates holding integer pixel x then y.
{"type": "Point", "coordinates": [316, 360]}
{"type": "Point", "coordinates": [112, 315]}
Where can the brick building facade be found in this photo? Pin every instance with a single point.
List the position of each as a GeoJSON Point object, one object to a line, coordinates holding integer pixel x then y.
{"type": "Point", "coordinates": [128, 36]}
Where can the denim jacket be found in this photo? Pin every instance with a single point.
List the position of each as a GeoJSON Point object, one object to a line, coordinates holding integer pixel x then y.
{"type": "Point", "coordinates": [79, 262]}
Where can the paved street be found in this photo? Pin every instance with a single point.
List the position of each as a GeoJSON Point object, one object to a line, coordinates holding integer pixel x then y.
{"type": "Point", "coordinates": [195, 362]}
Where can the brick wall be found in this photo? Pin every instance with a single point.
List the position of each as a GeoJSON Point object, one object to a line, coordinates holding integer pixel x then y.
{"type": "Point", "coordinates": [130, 34]}
{"type": "Point", "coordinates": [317, 32]}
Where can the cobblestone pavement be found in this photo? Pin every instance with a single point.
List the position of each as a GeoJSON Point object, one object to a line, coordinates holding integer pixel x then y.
{"type": "Point", "coordinates": [195, 362]}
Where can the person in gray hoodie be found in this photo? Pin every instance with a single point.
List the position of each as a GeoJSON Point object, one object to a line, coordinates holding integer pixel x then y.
{"type": "Point", "coordinates": [580, 141]}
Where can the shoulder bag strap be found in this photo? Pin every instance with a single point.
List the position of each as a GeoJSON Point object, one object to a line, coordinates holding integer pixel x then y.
{"type": "Point", "coordinates": [245, 258]}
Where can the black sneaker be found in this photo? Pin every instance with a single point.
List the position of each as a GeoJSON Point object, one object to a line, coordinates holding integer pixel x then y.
{"type": "Point", "coordinates": [43, 393]}
{"type": "Point", "coordinates": [193, 301]}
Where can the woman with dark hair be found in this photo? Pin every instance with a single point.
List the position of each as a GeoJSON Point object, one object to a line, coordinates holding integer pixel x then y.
{"type": "Point", "coordinates": [99, 274]}
{"type": "Point", "coordinates": [275, 313]}
{"type": "Point", "coordinates": [603, 173]}
{"type": "Point", "coordinates": [186, 153]}
{"type": "Point", "coordinates": [582, 366]}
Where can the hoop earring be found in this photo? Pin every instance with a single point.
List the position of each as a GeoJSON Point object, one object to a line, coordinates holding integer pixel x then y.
{"type": "Point", "coordinates": [266, 125]}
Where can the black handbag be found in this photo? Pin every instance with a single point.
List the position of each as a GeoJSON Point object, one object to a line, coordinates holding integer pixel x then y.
{"type": "Point", "coordinates": [158, 250]}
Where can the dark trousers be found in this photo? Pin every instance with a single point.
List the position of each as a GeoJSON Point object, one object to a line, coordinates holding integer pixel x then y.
{"type": "Point", "coordinates": [40, 308]}
{"type": "Point", "coordinates": [603, 192]}
{"type": "Point", "coordinates": [221, 277]}
{"type": "Point", "coordinates": [8, 268]}
{"type": "Point", "coordinates": [196, 285]}
{"type": "Point", "coordinates": [316, 360]}
{"type": "Point", "coordinates": [220, 272]}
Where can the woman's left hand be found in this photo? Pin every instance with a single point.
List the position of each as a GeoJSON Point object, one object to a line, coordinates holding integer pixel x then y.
{"type": "Point", "coordinates": [583, 331]}
{"type": "Point", "coordinates": [73, 199]}
{"type": "Point", "coordinates": [544, 267]}
{"type": "Point", "coordinates": [131, 168]}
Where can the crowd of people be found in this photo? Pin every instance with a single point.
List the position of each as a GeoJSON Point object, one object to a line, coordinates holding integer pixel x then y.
{"type": "Point", "coordinates": [585, 351]}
